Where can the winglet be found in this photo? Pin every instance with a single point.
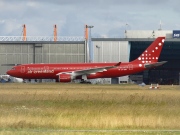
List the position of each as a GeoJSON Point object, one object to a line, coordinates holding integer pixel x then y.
{"type": "Point", "coordinates": [117, 64]}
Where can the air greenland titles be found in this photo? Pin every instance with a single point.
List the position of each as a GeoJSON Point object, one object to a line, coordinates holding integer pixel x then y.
{"type": "Point", "coordinates": [39, 71]}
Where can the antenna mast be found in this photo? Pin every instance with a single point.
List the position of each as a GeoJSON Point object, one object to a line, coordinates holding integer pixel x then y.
{"type": "Point", "coordinates": [160, 25]}
{"type": "Point", "coordinates": [55, 32]}
{"type": "Point", "coordinates": [24, 32]}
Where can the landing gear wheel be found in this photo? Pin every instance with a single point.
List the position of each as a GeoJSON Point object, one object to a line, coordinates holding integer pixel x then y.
{"type": "Point", "coordinates": [85, 82]}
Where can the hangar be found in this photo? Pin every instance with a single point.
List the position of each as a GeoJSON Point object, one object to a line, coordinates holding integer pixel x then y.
{"type": "Point", "coordinates": [132, 45]}
{"type": "Point", "coordinates": [75, 50]}
{"type": "Point", "coordinates": [40, 50]}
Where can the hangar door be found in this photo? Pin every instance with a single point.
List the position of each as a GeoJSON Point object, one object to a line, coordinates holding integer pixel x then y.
{"type": "Point", "coordinates": [165, 74]}
{"type": "Point", "coordinates": [59, 53]}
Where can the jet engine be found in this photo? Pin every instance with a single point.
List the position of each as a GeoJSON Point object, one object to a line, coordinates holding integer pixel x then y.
{"type": "Point", "coordinates": [64, 78]}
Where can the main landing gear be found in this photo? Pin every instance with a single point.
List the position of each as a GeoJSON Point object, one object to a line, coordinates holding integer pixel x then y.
{"type": "Point", "coordinates": [85, 82]}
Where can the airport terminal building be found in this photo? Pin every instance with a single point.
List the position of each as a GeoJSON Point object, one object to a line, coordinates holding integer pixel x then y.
{"type": "Point", "coordinates": [13, 50]}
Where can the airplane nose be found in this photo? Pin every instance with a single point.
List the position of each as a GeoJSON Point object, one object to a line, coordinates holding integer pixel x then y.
{"type": "Point", "coordinates": [13, 73]}
{"type": "Point", "coordinates": [9, 72]}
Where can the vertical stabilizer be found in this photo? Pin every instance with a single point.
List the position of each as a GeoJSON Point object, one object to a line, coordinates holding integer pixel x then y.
{"type": "Point", "coordinates": [152, 53]}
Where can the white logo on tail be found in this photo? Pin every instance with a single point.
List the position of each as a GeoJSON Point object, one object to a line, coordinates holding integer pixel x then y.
{"type": "Point", "coordinates": [148, 57]}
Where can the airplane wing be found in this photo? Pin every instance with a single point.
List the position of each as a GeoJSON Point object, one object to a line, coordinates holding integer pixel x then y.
{"type": "Point", "coordinates": [149, 65]}
{"type": "Point", "coordinates": [90, 71]}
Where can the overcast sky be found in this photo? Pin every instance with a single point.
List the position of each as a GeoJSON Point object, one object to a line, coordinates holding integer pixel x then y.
{"type": "Point", "coordinates": [109, 17]}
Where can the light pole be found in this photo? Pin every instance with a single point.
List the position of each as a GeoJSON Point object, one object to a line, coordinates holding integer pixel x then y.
{"type": "Point", "coordinates": [90, 45]}
{"type": "Point", "coordinates": [98, 47]}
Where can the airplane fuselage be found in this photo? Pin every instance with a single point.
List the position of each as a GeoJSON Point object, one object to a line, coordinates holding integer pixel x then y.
{"type": "Point", "coordinates": [50, 71]}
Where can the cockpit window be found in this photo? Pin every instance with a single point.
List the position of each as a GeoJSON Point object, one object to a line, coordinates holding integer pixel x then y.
{"type": "Point", "coordinates": [13, 68]}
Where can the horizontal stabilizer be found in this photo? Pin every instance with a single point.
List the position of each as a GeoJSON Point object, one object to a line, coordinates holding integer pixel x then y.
{"type": "Point", "coordinates": [149, 65]}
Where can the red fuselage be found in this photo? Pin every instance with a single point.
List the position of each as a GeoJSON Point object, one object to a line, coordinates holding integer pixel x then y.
{"type": "Point", "coordinates": [50, 71]}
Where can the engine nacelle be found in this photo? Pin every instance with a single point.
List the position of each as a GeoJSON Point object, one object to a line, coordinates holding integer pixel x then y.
{"type": "Point", "coordinates": [64, 78]}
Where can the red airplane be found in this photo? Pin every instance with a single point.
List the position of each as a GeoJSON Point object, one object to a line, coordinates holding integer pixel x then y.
{"type": "Point", "coordinates": [72, 71]}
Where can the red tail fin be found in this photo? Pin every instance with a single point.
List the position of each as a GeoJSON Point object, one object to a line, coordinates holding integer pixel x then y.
{"type": "Point", "coordinates": [152, 53]}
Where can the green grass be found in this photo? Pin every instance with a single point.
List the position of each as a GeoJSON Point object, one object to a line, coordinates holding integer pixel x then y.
{"type": "Point", "coordinates": [75, 132]}
{"type": "Point", "coordinates": [53, 106]}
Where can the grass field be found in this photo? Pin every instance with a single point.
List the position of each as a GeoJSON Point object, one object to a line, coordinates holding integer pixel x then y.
{"type": "Point", "coordinates": [56, 106]}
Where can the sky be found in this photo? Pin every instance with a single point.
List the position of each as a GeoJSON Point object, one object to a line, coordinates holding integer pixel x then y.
{"type": "Point", "coordinates": [110, 18]}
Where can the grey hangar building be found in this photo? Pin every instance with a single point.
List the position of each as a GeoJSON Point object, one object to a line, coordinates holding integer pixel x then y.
{"type": "Point", "coordinates": [13, 50]}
